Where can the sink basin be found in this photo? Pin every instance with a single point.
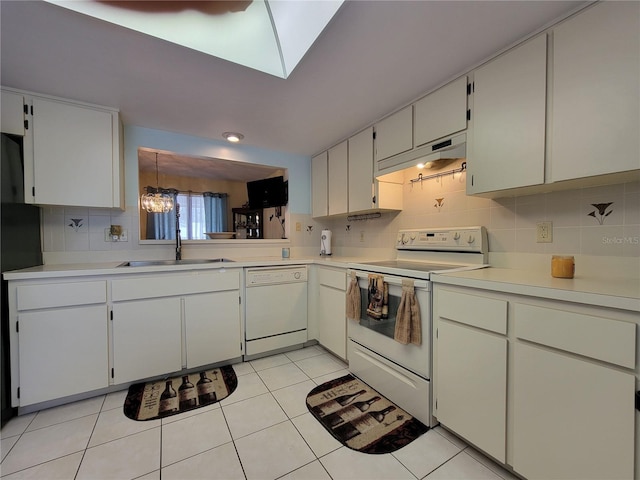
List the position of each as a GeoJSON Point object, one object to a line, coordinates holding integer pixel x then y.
{"type": "Point", "coordinates": [194, 261]}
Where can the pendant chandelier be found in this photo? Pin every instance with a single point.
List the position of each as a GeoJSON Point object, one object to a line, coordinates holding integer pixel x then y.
{"type": "Point", "coordinates": [156, 202]}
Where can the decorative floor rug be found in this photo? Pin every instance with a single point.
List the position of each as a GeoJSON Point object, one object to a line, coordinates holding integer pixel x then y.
{"type": "Point", "coordinates": [360, 418]}
{"type": "Point", "coordinates": [162, 398]}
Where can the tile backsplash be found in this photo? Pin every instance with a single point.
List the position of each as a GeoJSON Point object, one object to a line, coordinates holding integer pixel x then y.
{"type": "Point", "coordinates": [599, 221]}
{"type": "Point", "coordinates": [602, 221]}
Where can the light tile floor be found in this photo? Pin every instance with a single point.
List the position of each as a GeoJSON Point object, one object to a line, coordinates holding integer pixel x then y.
{"type": "Point", "coordinates": [262, 431]}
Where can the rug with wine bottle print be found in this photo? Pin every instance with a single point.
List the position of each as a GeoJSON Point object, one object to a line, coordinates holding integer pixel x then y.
{"type": "Point", "coordinates": [360, 418]}
{"type": "Point", "coordinates": [170, 396]}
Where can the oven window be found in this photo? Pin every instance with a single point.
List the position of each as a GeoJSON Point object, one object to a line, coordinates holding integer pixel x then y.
{"type": "Point", "coordinates": [385, 326]}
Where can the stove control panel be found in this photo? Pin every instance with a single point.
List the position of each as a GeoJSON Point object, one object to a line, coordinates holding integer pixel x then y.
{"type": "Point", "coordinates": [467, 239]}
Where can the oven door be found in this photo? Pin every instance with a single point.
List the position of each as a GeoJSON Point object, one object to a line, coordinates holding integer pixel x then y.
{"type": "Point", "coordinates": [377, 334]}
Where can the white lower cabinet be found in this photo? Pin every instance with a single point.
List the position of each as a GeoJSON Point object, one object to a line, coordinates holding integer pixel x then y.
{"type": "Point", "coordinates": [572, 418]}
{"type": "Point", "coordinates": [165, 322]}
{"type": "Point", "coordinates": [63, 352]}
{"type": "Point", "coordinates": [332, 321]}
{"type": "Point", "coordinates": [573, 406]}
{"type": "Point", "coordinates": [471, 369]}
{"type": "Point", "coordinates": [59, 345]}
{"type": "Point", "coordinates": [146, 338]}
{"type": "Point", "coordinates": [212, 327]}
{"type": "Point", "coordinates": [544, 386]}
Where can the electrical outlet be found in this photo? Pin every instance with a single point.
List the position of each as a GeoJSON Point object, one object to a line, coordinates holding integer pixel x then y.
{"type": "Point", "coordinates": [544, 232]}
{"type": "Point", "coordinates": [122, 237]}
{"type": "Point", "coordinates": [298, 227]}
{"type": "Point", "coordinates": [362, 235]}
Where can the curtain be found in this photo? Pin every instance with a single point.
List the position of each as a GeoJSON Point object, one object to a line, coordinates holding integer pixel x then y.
{"type": "Point", "coordinates": [162, 226]}
{"type": "Point", "coordinates": [215, 211]}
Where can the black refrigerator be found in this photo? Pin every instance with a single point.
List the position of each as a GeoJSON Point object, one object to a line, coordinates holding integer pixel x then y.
{"type": "Point", "coordinates": [20, 244]}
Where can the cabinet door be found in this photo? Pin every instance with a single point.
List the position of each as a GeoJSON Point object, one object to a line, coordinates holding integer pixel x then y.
{"type": "Point", "coordinates": [394, 134]}
{"type": "Point", "coordinates": [319, 188]}
{"type": "Point", "coordinates": [337, 161]}
{"type": "Point", "coordinates": [471, 385]}
{"type": "Point", "coordinates": [147, 338]}
{"type": "Point", "coordinates": [73, 154]}
{"type": "Point", "coordinates": [12, 106]}
{"type": "Point", "coordinates": [212, 324]}
{"type": "Point", "coordinates": [507, 148]}
{"type": "Point", "coordinates": [596, 98]}
{"type": "Point", "coordinates": [332, 322]}
{"type": "Point", "coordinates": [441, 113]}
{"type": "Point", "coordinates": [572, 418]}
{"type": "Point", "coordinates": [62, 352]}
{"type": "Point", "coordinates": [361, 171]}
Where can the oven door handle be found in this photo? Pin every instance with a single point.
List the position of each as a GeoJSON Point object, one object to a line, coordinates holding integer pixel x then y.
{"type": "Point", "coordinates": [392, 280]}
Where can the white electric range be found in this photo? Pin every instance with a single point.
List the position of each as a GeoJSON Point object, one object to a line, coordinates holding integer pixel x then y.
{"type": "Point", "coordinates": [403, 372]}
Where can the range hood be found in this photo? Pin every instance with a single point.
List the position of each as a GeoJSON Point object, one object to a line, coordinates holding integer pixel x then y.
{"type": "Point", "coordinates": [450, 148]}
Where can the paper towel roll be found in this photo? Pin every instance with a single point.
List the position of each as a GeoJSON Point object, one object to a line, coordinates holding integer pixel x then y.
{"type": "Point", "coordinates": [325, 242]}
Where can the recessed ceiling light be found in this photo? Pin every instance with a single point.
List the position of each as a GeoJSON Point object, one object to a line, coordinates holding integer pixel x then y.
{"type": "Point", "coordinates": [233, 136]}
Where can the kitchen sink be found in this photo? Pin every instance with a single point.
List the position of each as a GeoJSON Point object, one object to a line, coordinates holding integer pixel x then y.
{"type": "Point", "coordinates": [193, 261]}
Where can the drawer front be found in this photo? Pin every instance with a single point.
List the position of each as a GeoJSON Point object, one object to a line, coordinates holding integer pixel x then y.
{"type": "Point", "coordinates": [600, 338]}
{"type": "Point", "coordinates": [409, 391]}
{"type": "Point", "coordinates": [333, 278]}
{"type": "Point", "coordinates": [31, 297]}
{"type": "Point", "coordinates": [477, 311]}
{"type": "Point", "coordinates": [174, 284]}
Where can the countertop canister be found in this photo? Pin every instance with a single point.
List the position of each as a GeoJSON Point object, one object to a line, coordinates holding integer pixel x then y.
{"type": "Point", "coordinates": [563, 266]}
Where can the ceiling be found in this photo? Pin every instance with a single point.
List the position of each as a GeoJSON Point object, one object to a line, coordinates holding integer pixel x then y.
{"type": "Point", "coordinates": [373, 58]}
{"type": "Point", "coordinates": [174, 164]}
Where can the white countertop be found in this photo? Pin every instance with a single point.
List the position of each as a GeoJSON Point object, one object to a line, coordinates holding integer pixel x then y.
{"type": "Point", "coordinates": [113, 268]}
{"type": "Point", "coordinates": [614, 292]}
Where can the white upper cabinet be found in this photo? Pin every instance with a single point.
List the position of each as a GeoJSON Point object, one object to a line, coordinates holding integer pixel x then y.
{"type": "Point", "coordinates": [441, 113]}
{"type": "Point", "coordinates": [507, 128]}
{"type": "Point", "coordinates": [394, 134]}
{"type": "Point", "coordinates": [595, 92]}
{"type": "Point", "coordinates": [361, 171]}
{"type": "Point", "coordinates": [12, 106]}
{"type": "Point", "coordinates": [338, 183]}
{"type": "Point", "coordinates": [319, 181]}
{"type": "Point", "coordinates": [365, 192]}
{"type": "Point", "coordinates": [77, 157]}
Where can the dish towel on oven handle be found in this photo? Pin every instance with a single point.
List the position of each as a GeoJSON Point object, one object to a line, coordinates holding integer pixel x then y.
{"type": "Point", "coordinates": [378, 306]}
{"type": "Point", "coordinates": [408, 329]}
{"type": "Point", "coordinates": [353, 298]}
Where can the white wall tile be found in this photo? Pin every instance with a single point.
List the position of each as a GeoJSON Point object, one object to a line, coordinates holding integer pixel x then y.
{"type": "Point", "coordinates": [510, 221]}
{"type": "Point", "coordinates": [631, 209]}
{"type": "Point", "coordinates": [631, 241]}
{"type": "Point", "coordinates": [601, 240]}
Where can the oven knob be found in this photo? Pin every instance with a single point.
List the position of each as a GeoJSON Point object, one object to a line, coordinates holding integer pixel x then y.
{"type": "Point", "coordinates": [405, 239]}
{"type": "Point", "coordinates": [456, 236]}
{"type": "Point", "coordinates": [296, 275]}
{"type": "Point", "coordinates": [413, 237]}
{"type": "Point", "coordinates": [471, 239]}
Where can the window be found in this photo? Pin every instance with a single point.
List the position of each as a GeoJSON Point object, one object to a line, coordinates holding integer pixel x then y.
{"type": "Point", "coordinates": [199, 213]}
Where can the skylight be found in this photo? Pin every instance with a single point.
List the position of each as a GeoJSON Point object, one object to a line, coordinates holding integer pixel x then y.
{"type": "Point", "coordinates": [267, 35]}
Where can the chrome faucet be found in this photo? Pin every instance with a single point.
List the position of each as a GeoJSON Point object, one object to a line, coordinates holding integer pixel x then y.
{"type": "Point", "coordinates": [178, 239]}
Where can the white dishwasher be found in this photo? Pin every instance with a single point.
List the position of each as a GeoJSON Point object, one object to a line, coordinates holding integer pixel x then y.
{"type": "Point", "coordinates": [275, 308]}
